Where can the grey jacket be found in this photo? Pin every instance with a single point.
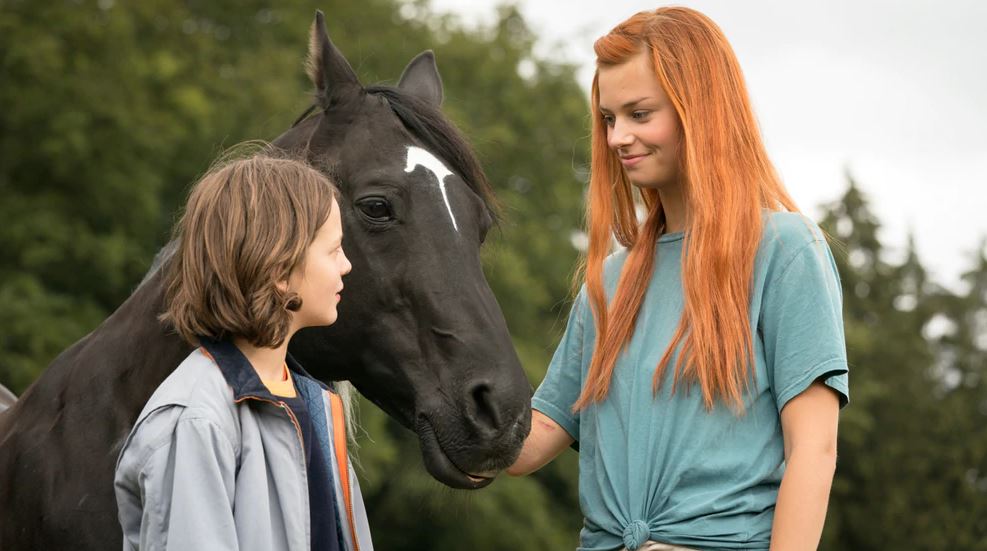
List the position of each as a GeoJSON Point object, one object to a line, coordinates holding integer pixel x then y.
{"type": "Point", "coordinates": [216, 462]}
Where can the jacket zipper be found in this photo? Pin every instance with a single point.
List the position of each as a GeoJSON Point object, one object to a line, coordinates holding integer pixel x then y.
{"type": "Point", "coordinates": [291, 415]}
{"type": "Point", "coordinates": [298, 432]}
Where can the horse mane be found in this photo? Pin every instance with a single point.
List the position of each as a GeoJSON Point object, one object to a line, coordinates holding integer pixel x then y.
{"type": "Point", "coordinates": [430, 125]}
{"type": "Point", "coordinates": [160, 258]}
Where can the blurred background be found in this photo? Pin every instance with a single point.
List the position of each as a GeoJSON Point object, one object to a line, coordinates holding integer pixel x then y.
{"type": "Point", "coordinates": [873, 112]}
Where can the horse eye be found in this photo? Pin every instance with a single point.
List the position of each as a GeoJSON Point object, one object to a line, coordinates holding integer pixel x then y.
{"type": "Point", "coordinates": [376, 209]}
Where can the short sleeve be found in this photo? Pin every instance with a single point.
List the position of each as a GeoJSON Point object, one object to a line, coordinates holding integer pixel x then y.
{"type": "Point", "coordinates": [563, 381]}
{"type": "Point", "coordinates": [801, 325]}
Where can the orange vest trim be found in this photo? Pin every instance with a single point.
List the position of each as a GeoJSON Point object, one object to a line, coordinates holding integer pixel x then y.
{"type": "Point", "coordinates": [342, 459]}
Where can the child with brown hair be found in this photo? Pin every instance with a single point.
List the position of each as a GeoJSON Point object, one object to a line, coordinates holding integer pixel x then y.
{"type": "Point", "coordinates": [233, 449]}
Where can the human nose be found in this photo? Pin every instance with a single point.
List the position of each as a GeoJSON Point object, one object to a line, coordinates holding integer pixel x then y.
{"type": "Point", "coordinates": [619, 135]}
{"type": "Point", "coordinates": [346, 264]}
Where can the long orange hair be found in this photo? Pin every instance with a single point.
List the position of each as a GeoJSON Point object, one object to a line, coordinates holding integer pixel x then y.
{"type": "Point", "coordinates": [727, 180]}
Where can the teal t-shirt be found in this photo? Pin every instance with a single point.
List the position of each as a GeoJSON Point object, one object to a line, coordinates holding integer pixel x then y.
{"type": "Point", "coordinates": [663, 467]}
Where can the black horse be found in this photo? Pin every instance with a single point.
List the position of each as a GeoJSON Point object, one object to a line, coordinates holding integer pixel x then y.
{"type": "Point", "coordinates": [420, 333]}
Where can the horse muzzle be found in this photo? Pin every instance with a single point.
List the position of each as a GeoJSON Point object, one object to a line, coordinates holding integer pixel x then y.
{"type": "Point", "coordinates": [472, 470]}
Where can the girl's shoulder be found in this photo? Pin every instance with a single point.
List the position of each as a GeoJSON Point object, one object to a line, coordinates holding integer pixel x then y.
{"type": "Point", "coordinates": [197, 381]}
{"type": "Point", "coordinates": [794, 256]}
{"type": "Point", "coordinates": [195, 392]}
{"type": "Point", "coordinates": [787, 234]}
{"type": "Point", "coordinates": [196, 388]}
{"type": "Point", "coordinates": [790, 229]}
{"type": "Point", "coordinates": [613, 264]}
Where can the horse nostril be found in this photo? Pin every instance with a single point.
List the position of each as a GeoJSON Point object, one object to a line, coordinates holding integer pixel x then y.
{"type": "Point", "coordinates": [484, 413]}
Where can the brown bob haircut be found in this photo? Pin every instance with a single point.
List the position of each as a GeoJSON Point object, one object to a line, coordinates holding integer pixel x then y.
{"type": "Point", "coordinates": [246, 226]}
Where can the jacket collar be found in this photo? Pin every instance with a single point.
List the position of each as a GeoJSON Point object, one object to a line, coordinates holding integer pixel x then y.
{"type": "Point", "coordinates": [241, 376]}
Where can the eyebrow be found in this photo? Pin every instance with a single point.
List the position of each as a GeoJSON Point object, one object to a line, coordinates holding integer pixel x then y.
{"type": "Point", "coordinates": [631, 103]}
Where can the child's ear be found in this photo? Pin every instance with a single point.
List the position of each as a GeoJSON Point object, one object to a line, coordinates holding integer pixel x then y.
{"type": "Point", "coordinates": [294, 301]}
{"type": "Point", "coordinates": [282, 285]}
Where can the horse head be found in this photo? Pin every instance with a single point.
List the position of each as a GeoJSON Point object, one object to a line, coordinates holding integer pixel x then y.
{"type": "Point", "coordinates": [419, 333]}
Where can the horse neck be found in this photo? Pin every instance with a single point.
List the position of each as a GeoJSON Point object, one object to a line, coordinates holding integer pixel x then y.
{"type": "Point", "coordinates": [113, 371]}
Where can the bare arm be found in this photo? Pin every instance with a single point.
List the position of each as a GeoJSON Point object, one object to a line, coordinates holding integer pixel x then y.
{"type": "Point", "coordinates": [544, 443]}
{"type": "Point", "coordinates": [809, 423]}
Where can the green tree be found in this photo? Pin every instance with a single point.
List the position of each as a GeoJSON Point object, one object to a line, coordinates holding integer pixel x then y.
{"type": "Point", "coordinates": [911, 448]}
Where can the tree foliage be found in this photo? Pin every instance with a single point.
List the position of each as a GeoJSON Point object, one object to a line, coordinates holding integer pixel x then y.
{"type": "Point", "coordinates": [913, 442]}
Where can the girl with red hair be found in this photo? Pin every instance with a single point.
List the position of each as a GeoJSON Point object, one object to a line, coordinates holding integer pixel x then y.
{"type": "Point", "coordinates": [703, 367]}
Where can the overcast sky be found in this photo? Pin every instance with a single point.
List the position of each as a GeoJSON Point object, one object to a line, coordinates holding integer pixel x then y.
{"type": "Point", "coordinates": [893, 92]}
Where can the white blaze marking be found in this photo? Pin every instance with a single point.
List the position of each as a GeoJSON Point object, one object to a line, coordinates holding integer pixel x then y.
{"type": "Point", "coordinates": [418, 156]}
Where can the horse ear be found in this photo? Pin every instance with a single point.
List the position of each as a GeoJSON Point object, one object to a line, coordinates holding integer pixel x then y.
{"type": "Point", "coordinates": [330, 72]}
{"type": "Point", "coordinates": [421, 78]}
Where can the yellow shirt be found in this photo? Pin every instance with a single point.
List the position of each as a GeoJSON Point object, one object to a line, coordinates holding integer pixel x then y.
{"type": "Point", "coordinates": [284, 387]}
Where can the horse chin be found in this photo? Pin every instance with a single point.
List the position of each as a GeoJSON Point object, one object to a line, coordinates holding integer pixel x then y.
{"type": "Point", "coordinates": [438, 464]}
